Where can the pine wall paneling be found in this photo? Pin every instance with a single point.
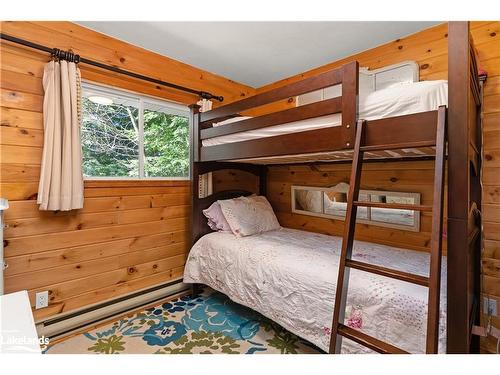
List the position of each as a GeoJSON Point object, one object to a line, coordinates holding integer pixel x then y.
{"type": "Point", "coordinates": [130, 235]}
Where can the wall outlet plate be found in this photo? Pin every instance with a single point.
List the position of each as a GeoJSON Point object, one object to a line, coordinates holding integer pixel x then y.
{"type": "Point", "coordinates": [490, 306]}
{"type": "Point", "coordinates": [42, 299]}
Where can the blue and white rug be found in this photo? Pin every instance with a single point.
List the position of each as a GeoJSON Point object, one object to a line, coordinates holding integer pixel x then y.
{"type": "Point", "coordinates": [207, 323]}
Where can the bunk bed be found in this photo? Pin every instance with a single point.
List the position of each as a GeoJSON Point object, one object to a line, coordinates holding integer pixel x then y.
{"type": "Point", "coordinates": [450, 135]}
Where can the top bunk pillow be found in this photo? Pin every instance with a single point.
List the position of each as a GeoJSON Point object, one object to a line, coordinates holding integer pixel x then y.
{"type": "Point", "coordinates": [249, 215]}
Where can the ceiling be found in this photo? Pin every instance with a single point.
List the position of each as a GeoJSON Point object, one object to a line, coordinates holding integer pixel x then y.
{"type": "Point", "coordinates": [257, 53]}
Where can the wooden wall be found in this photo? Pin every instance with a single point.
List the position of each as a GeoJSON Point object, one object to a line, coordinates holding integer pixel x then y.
{"type": "Point", "coordinates": [429, 49]}
{"type": "Point", "coordinates": [129, 235]}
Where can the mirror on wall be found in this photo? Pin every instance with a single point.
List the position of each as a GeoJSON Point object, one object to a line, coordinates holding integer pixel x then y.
{"type": "Point", "coordinates": [331, 202]}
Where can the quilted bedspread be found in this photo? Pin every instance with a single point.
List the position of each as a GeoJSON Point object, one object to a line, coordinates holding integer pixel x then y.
{"type": "Point", "coordinates": [290, 277]}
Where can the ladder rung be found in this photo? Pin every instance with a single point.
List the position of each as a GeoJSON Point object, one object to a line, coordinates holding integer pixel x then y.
{"type": "Point", "coordinates": [368, 341]}
{"type": "Point", "coordinates": [388, 272]}
{"type": "Point", "coordinates": [397, 146]}
{"type": "Point", "coordinates": [394, 206]}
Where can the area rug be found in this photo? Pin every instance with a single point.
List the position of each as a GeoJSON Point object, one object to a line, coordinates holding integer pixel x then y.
{"type": "Point", "coordinates": [208, 323]}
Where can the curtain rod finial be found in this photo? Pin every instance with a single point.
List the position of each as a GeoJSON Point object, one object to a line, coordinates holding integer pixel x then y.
{"type": "Point", "coordinates": [208, 96]}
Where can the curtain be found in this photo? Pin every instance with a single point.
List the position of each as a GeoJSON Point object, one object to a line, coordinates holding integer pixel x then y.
{"type": "Point", "coordinates": [61, 178]}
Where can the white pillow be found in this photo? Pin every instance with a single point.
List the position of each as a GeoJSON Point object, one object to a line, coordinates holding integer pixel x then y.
{"type": "Point", "coordinates": [249, 215]}
{"type": "Point", "coordinates": [231, 120]}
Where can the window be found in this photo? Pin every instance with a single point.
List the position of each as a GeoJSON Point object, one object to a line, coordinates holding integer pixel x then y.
{"type": "Point", "coordinates": [125, 135]}
{"type": "Point", "coordinates": [331, 202]}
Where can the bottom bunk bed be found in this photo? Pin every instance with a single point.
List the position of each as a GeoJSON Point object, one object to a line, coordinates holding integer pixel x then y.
{"type": "Point", "coordinates": [290, 277]}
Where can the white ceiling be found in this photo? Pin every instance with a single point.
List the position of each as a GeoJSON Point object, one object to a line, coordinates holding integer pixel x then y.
{"type": "Point", "coordinates": [257, 53]}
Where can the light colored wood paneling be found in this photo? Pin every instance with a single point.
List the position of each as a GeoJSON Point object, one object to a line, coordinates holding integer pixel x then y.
{"type": "Point", "coordinates": [78, 221]}
{"type": "Point", "coordinates": [119, 288]}
{"type": "Point", "coordinates": [10, 154]}
{"type": "Point", "coordinates": [29, 208]}
{"type": "Point", "coordinates": [21, 136]}
{"type": "Point", "coordinates": [78, 270]}
{"type": "Point", "coordinates": [21, 82]}
{"type": "Point", "coordinates": [21, 119]}
{"type": "Point", "coordinates": [60, 240]}
{"type": "Point", "coordinates": [20, 172]}
{"type": "Point", "coordinates": [23, 61]}
{"type": "Point", "coordinates": [71, 255]}
{"type": "Point", "coordinates": [21, 100]}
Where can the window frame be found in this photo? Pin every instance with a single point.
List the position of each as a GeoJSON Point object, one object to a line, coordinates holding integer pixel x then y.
{"type": "Point", "coordinates": [412, 228]}
{"type": "Point", "coordinates": [141, 98]}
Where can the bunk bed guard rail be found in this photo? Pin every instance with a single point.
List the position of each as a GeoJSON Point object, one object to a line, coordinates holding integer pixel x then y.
{"type": "Point", "coordinates": [334, 138]}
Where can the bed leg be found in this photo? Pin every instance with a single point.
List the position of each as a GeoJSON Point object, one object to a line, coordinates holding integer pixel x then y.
{"type": "Point", "coordinates": [196, 289]}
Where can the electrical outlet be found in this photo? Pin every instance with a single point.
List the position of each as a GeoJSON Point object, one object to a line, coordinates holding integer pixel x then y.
{"type": "Point", "coordinates": [490, 306]}
{"type": "Point", "coordinates": [42, 299]}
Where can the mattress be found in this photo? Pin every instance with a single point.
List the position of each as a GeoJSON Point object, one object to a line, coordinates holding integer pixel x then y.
{"type": "Point", "coordinates": [290, 277]}
{"type": "Point", "coordinates": [400, 99]}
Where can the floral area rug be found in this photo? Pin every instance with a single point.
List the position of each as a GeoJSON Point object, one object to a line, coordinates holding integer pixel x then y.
{"type": "Point", "coordinates": [206, 323]}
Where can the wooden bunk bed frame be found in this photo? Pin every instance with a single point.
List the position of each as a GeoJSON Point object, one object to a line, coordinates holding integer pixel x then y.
{"type": "Point", "coordinates": [464, 129]}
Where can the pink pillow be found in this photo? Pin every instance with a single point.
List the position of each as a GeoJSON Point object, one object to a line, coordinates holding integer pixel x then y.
{"type": "Point", "coordinates": [216, 219]}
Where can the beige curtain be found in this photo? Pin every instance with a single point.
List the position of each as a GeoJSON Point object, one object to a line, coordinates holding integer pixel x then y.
{"type": "Point", "coordinates": [61, 179]}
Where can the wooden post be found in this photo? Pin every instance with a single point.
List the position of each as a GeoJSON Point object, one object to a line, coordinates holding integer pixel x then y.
{"type": "Point", "coordinates": [195, 175]}
{"type": "Point", "coordinates": [194, 128]}
{"type": "Point", "coordinates": [350, 89]}
{"type": "Point", "coordinates": [433, 309]}
{"type": "Point", "coordinates": [463, 251]}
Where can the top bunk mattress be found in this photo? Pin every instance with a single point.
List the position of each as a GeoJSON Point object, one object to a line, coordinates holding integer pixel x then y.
{"type": "Point", "coordinates": [398, 100]}
{"type": "Point", "coordinates": [290, 276]}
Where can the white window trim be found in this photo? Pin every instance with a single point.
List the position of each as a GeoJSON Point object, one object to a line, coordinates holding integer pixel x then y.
{"type": "Point", "coordinates": [412, 228]}
{"type": "Point", "coordinates": [181, 109]}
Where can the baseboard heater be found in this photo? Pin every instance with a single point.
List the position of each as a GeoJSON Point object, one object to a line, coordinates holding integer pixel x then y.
{"type": "Point", "coordinates": [66, 324]}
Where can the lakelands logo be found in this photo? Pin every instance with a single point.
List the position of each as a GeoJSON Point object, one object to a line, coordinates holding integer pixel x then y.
{"type": "Point", "coordinates": [10, 342]}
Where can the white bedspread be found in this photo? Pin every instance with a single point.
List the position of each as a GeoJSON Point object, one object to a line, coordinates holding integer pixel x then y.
{"type": "Point", "coordinates": [398, 100]}
{"type": "Point", "coordinates": [290, 277]}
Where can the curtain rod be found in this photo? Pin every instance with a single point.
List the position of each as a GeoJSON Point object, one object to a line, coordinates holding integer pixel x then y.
{"type": "Point", "coordinates": [68, 55]}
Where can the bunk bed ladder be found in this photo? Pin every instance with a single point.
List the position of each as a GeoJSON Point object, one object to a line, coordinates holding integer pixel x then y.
{"type": "Point", "coordinates": [346, 262]}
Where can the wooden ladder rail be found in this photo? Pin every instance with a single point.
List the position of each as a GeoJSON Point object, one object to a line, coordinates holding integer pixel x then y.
{"type": "Point", "coordinates": [433, 282]}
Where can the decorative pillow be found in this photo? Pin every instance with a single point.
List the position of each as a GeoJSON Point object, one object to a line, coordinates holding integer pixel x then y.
{"type": "Point", "coordinates": [216, 219]}
{"type": "Point", "coordinates": [249, 215]}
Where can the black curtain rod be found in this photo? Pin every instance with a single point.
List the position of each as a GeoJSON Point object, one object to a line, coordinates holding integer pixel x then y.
{"type": "Point", "coordinates": [67, 55]}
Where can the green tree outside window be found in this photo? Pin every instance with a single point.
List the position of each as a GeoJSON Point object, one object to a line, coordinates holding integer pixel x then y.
{"type": "Point", "coordinates": [110, 141]}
